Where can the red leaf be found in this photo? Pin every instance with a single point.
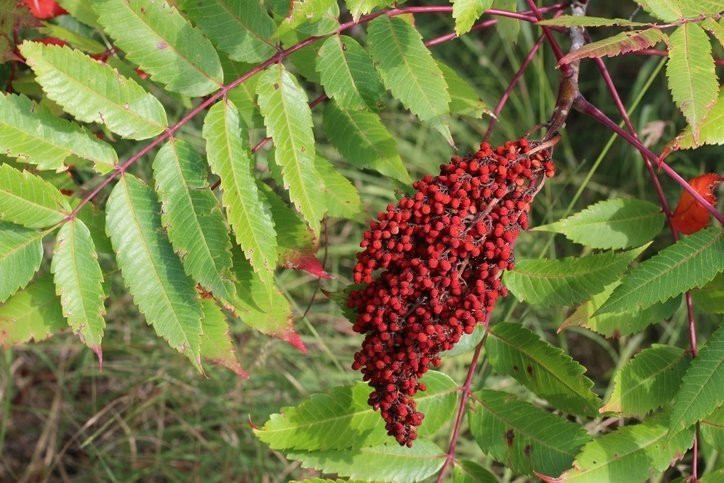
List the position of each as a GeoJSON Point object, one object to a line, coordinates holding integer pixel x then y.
{"type": "Point", "coordinates": [44, 9]}
{"type": "Point", "coordinates": [292, 338]}
{"type": "Point", "coordinates": [52, 41]}
{"type": "Point", "coordinates": [690, 216]}
{"type": "Point", "coordinates": [307, 262]}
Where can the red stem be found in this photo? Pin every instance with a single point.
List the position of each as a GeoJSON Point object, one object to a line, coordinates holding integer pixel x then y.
{"type": "Point", "coordinates": [511, 85]}
{"type": "Point", "coordinates": [590, 110]}
{"type": "Point", "coordinates": [557, 51]}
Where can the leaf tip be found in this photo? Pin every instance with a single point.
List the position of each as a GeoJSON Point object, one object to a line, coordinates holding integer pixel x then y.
{"type": "Point", "coordinates": [292, 338]}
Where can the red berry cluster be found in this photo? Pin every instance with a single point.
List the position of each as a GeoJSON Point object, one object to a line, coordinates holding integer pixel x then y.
{"type": "Point", "coordinates": [431, 270]}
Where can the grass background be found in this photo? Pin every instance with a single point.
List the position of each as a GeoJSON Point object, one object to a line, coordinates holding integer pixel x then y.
{"type": "Point", "coordinates": [149, 416]}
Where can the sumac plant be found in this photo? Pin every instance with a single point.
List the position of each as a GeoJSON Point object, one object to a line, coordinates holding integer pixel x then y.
{"type": "Point", "coordinates": [171, 148]}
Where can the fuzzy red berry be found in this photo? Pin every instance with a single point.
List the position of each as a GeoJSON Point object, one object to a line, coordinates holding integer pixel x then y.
{"type": "Point", "coordinates": [431, 268]}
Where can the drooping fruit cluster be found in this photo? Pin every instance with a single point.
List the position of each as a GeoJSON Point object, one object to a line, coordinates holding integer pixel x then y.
{"type": "Point", "coordinates": [431, 270]}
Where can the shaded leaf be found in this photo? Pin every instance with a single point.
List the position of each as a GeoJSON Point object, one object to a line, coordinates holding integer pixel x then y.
{"type": "Point", "coordinates": [467, 342]}
{"type": "Point", "coordinates": [566, 281]}
{"type": "Point", "coordinates": [507, 28]}
{"type": "Point", "coordinates": [216, 344]}
{"type": "Point", "coordinates": [688, 263]}
{"type": "Point", "coordinates": [31, 314]}
{"type": "Point", "coordinates": [311, 17]}
{"type": "Point", "coordinates": [35, 136]}
{"type": "Point", "coordinates": [466, 471]}
{"type": "Point", "coordinates": [710, 297]}
{"type": "Point", "coordinates": [342, 197]}
{"type": "Point", "coordinates": [523, 437]}
{"type": "Point", "coordinates": [107, 97]}
{"type": "Point", "coordinates": [79, 282]}
{"type": "Point", "coordinates": [21, 251]}
{"type": "Point", "coordinates": [648, 381]}
{"type": "Point", "coordinates": [711, 130]}
{"type": "Point", "coordinates": [541, 367]}
{"type": "Point", "coordinates": [28, 200]}
{"type": "Point", "coordinates": [618, 44]}
{"type": "Point", "coordinates": [342, 419]}
{"type": "Point", "coordinates": [192, 216]}
{"type": "Point", "coordinates": [163, 43]}
{"type": "Point", "coordinates": [151, 270]}
{"type": "Point", "coordinates": [464, 100]}
{"type": "Point", "coordinates": [613, 223]}
{"type": "Point", "coordinates": [712, 428]}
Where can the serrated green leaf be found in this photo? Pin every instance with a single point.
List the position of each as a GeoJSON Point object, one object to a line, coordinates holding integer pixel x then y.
{"type": "Point", "coordinates": [613, 223]}
{"type": "Point", "coordinates": [464, 100]}
{"type": "Point", "coordinates": [230, 159]}
{"type": "Point", "coordinates": [151, 270]}
{"type": "Point", "coordinates": [523, 437]}
{"type": "Point", "coordinates": [466, 471]}
{"type": "Point", "coordinates": [241, 28]}
{"type": "Point", "coordinates": [715, 28]}
{"type": "Point", "coordinates": [364, 141]}
{"type": "Point", "coordinates": [192, 216]}
{"type": "Point", "coordinates": [407, 67]}
{"type": "Point", "coordinates": [81, 10]}
{"type": "Point", "coordinates": [106, 97]}
{"type": "Point", "coordinates": [702, 387]}
{"type": "Point", "coordinates": [95, 220]}
{"type": "Point", "coordinates": [79, 282]}
{"type": "Point", "coordinates": [566, 281]}
{"type": "Point", "coordinates": [712, 428]}
{"type": "Point", "coordinates": [21, 251]}
{"type": "Point", "coordinates": [618, 44]}
{"type": "Point", "coordinates": [31, 314]}
{"type": "Point", "coordinates": [362, 7]}
{"type": "Point", "coordinates": [691, 76]}
{"type": "Point", "coordinates": [648, 381]}
{"type": "Point", "coordinates": [710, 298]}
{"type": "Point", "coordinates": [576, 21]}
{"type": "Point", "coordinates": [631, 453]}
{"type": "Point", "coordinates": [711, 130]}
{"type": "Point", "coordinates": [541, 367]}
{"type": "Point", "coordinates": [347, 73]}
{"type": "Point", "coordinates": [621, 323]}
{"type": "Point", "coordinates": [163, 43]}
{"type": "Point", "coordinates": [671, 10]}
{"type": "Point", "coordinates": [35, 136]}
{"type": "Point", "coordinates": [342, 197]}
{"type": "Point", "coordinates": [378, 463]}
{"type": "Point", "coordinates": [28, 200]}
{"type": "Point", "coordinates": [342, 419]}
{"type": "Point", "coordinates": [507, 28]}
{"type": "Point", "coordinates": [466, 12]}
{"type": "Point", "coordinates": [288, 120]}
{"type": "Point", "coordinates": [311, 17]}
{"type": "Point", "coordinates": [216, 344]}
{"type": "Point", "coordinates": [689, 263]}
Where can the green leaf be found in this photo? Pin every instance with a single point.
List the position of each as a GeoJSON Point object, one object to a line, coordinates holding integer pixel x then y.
{"type": "Point", "coordinates": [347, 73]}
{"type": "Point", "coordinates": [163, 43]}
{"type": "Point", "coordinates": [95, 220]}
{"type": "Point", "coordinates": [467, 342]}
{"type": "Point", "coordinates": [244, 95]}
{"type": "Point", "coordinates": [464, 100]}
{"type": "Point", "coordinates": [95, 92]}
{"type": "Point", "coordinates": [79, 282]}
{"type": "Point", "coordinates": [378, 463]}
{"type": "Point", "coordinates": [466, 12]}
{"type": "Point", "coordinates": [712, 428]}
{"type": "Point", "coordinates": [21, 251]}
{"type": "Point", "coordinates": [541, 367]}
{"type": "Point", "coordinates": [311, 17]}
{"type": "Point", "coordinates": [508, 28]}
{"type": "Point", "coordinates": [362, 7]}
{"type": "Point", "coordinates": [288, 120]}
{"type": "Point", "coordinates": [620, 323]}
{"type": "Point", "coordinates": [230, 159]}
{"type": "Point", "coordinates": [364, 141]}
{"type": "Point", "coordinates": [710, 298]}
{"type": "Point", "coordinates": [687, 264]}
{"type": "Point", "coordinates": [631, 453]}
{"type": "Point", "coordinates": [711, 130]}
{"type": "Point", "coordinates": [523, 437]}
{"type": "Point", "coordinates": [648, 381]}
{"type": "Point", "coordinates": [75, 39]}
{"type": "Point", "coordinates": [407, 67]}
{"type": "Point", "coordinates": [702, 387]}
{"type": "Point", "coordinates": [671, 10]}
{"type": "Point", "coordinates": [715, 28]}
{"type": "Point", "coordinates": [31, 314]}
{"type": "Point", "coordinates": [575, 21]}
{"type": "Point", "coordinates": [690, 72]}
{"type": "Point", "coordinates": [151, 270]}
{"type": "Point", "coordinates": [566, 281]}
{"type": "Point", "coordinates": [614, 223]}
{"type": "Point", "coordinates": [28, 200]}
{"type": "Point", "coordinates": [466, 471]}
{"type": "Point", "coordinates": [241, 28]}
{"type": "Point", "coordinates": [192, 216]}
{"type": "Point", "coordinates": [618, 44]}
{"type": "Point", "coordinates": [35, 136]}
{"type": "Point", "coordinates": [342, 197]}
{"type": "Point", "coordinates": [216, 344]}
{"type": "Point", "coordinates": [342, 419]}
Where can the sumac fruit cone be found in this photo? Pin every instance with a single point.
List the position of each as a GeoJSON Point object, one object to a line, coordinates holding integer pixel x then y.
{"type": "Point", "coordinates": [431, 266]}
